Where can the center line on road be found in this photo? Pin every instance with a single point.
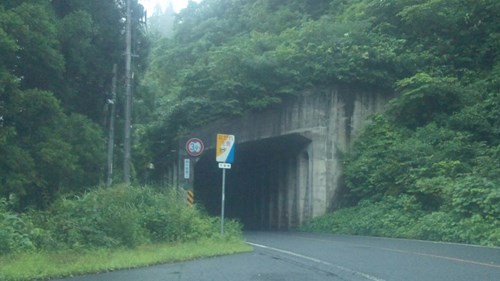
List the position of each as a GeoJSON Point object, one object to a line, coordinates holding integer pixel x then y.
{"type": "Point", "coordinates": [364, 275]}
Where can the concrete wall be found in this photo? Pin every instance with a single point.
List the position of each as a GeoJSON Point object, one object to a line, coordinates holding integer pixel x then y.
{"type": "Point", "coordinates": [301, 139]}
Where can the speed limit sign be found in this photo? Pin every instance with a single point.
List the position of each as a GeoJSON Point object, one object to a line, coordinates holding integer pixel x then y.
{"type": "Point", "coordinates": [194, 147]}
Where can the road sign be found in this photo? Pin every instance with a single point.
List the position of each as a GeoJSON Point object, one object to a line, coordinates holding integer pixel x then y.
{"type": "Point", "coordinates": [225, 165]}
{"type": "Point", "coordinates": [194, 147]}
{"type": "Point", "coordinates": [187, 168]}
{"type": "Point", "coordinates": [225, 148]}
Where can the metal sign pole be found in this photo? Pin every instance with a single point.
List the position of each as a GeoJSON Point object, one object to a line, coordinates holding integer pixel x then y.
{"type": "Point", "coordinates": [223, 203]}
{"type": "Point", "coordinates": [224, 154]}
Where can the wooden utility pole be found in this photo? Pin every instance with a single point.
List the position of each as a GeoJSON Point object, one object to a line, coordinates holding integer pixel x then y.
{"type": "Point", "coordinates": [111, 136]}
{"type": "Point", "coordinates": [128, 97]}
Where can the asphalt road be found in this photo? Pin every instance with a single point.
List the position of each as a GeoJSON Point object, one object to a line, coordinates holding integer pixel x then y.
{"type": "Point", "coordinates": [301, 256]}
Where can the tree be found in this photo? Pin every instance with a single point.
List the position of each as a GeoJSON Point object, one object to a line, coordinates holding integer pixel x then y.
{"type": "Point", "coordinates": [55, 72]}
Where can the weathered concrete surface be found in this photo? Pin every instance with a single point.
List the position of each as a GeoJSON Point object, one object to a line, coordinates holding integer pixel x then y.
{"type": "Point", "coordinates": [290, 153]}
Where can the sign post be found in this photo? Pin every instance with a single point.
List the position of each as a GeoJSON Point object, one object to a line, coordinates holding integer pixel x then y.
{"type": "Point", "coordinates": [223, 202]}
{"type": "Point", "coordinates": [187, 168]}
{"type": "Point", "coordinates": [225, 156]}
{"type": "Point", "coordinates": [194, 149]}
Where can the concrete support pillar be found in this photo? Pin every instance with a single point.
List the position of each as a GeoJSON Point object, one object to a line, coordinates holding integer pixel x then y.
{"type": "Point", "coordinates": [274, 199]}
{"type": "Point", "coordinates": [281, 195]}
{"type": "Point", "coordinates": [319, 176]}
{"type": "Point", "coordinates": [303, 188]}
{"type": "Point", "coordinates": [291, 188]}
{"type": "Point", "coordinates": [265, 199]}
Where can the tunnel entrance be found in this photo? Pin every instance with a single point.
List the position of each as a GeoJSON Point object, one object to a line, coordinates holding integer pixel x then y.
{"type": "Point", "coordinates": [268, 186]}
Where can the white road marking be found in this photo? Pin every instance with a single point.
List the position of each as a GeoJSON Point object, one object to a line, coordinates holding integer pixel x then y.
{"type": "Point", "coordinates": [417, 253]}
{"type": "Point", "coordinates": [364, 275]}
{"type": "Point", "coordinates": [441, 257]}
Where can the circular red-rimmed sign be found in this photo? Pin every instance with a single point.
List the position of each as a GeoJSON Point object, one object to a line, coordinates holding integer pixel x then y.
{"type": "Point", "coordinates": [194, 147]}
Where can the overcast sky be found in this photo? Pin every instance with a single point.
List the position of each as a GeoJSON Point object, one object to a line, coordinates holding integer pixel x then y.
{"type": "Point", "coordinates": [177, 4]}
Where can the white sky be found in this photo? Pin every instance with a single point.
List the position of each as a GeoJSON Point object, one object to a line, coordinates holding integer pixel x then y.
{"type": "Point", "coordinates": [177, 4]}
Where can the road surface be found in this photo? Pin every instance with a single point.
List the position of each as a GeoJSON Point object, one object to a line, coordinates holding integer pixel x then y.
{"type": "Point", "coordinates": [302, 256]}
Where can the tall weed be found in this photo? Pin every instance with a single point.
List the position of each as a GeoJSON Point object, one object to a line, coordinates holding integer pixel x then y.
{"type": "Point", "coordinates": [16, 231]}
{"type": "Point", "coordinates": [120, 216]}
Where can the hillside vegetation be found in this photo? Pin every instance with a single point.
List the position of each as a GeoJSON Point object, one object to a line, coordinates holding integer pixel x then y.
{"type": "Point", "coordinates": [109, 229]}
{"type": "Point", "coordinates": [429, 167]}
{"type": "Point", "coordinates": [56, 70]}
{"type": "Point", "coordinates": [56, 61]}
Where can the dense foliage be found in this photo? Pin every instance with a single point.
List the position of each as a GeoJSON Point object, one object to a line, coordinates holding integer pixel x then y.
{"type": "Point", "coordinates": [56, 61]}
{"type": "Point", "coordinates": [227, 57]}
{"type": "Point", "coordinates": [429, 167]}
{"type": "Point", "coordinates": [431, 160]}
{"type": "Point", "coordinates": [114, 217]}
{"type": "Point", "coordinates": [55, 77]}
{"type": "Point", "coordinates": [438, 147]}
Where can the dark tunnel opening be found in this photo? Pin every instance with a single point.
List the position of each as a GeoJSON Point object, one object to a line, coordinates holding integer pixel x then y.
{"type": "Point", "coordinates": [253, 183]}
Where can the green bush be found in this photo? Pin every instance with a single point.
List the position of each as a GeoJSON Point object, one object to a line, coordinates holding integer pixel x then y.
{"type": "Point", "coordinates": [473, 195]}
{"type": "Point", "coordinates": [91, 220]}
{"type": "Point", "coordinates": [120, 217]}
{"type": "Point", "coordinates": [390, 217]}
{"type": "Point", "coordinates": [176, 222]}
{"type": "Point", "coordinates": [16, 232]}
{"type": "Point", "coordinates": [444, 226]}
{"type": "Point", "coordinates": [101, 218]}
{"type": "Point", "coordinates": [436, 226]}
{"type": "Point", "coordinates": [6, 231]}
{"type": "Point", "coordinates": [403, 217]}
{"type": "Point", "coordinates": [479, 230]}
{"type": "Point", "coordinates": [109, 217]}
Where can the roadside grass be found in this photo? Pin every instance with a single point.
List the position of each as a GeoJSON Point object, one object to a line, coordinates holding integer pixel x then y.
{"type": "Point", "coordinates": [44, 265]}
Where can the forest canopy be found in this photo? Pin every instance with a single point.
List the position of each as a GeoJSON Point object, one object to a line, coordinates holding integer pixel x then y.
{"type": "Point", "coordinates": [55, 74]}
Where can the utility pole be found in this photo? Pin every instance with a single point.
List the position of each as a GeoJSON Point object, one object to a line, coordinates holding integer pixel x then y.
{"type": "Point", "coordinates": [111, 136]}
{"type": "Point", "coordinates": [128, 97]}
